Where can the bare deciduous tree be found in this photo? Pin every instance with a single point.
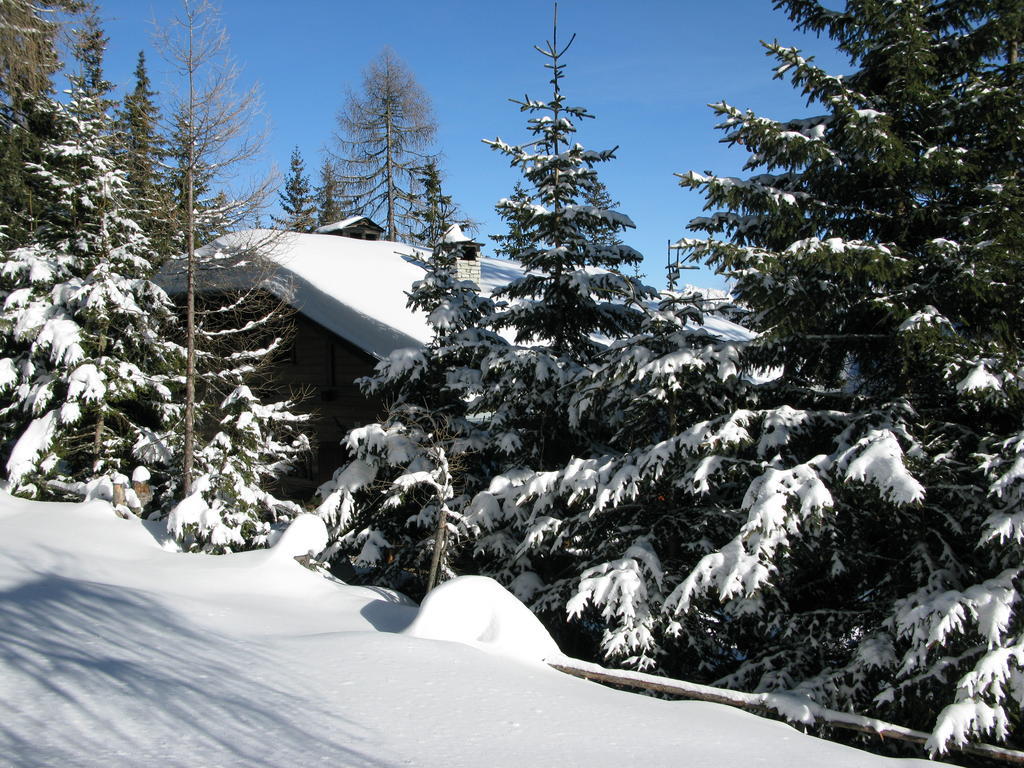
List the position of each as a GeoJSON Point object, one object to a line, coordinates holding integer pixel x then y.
{"type": "Point", "coordinates": [383, 134]}
{"type": "Point", "coordinates": [215, 142]}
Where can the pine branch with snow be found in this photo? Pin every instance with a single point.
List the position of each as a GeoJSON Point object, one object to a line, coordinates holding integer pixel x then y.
{"type": "Point", "coordinates": [872, 248]}
{"type": "Point", "coordinates": [230, 508]}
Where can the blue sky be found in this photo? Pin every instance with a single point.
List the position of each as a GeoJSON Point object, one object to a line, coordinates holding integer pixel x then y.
{"type": "Point", "coordinates": [645, 69]}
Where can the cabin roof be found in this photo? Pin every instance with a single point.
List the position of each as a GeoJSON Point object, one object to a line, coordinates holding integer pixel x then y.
{"type": "Point", "coordinates": [357, 289]}
{"type": "Point", "coordinates": [340, 226]}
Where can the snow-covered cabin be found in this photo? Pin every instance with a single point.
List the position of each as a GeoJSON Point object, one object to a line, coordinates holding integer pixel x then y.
{"type": "Point", "coordinates": [349, 296]}
{"type": "Point", "coordinates": [350, 300]}
{"type": "Point", "coordinates": [355, 227]}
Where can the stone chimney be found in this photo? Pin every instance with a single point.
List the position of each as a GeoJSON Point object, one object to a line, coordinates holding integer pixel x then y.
{"type": "Point", "coordinates": [466, 251]}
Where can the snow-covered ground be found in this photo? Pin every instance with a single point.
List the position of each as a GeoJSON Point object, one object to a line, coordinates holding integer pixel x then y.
{"type": "Point", "coordinates": [117, 651]}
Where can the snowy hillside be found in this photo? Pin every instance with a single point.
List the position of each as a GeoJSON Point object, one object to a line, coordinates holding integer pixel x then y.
{"type": "Point", "coordinates": [116, 650]}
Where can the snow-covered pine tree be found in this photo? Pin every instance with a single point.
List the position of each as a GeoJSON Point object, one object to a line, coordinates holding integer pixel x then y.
{"type": "Point", "coordinates": [890, 215]}
{"type": "Point", "coordinates": [435, 212]}
{"type": "Point", "coordinates": [572, 292]}
{"type": "Point", "coordinates": [516, 217]}
{"type": "Point", "coordinates": [602, 232]}
{"type": "Point", "coordinates": [87, 364]}
{"type": "Point", "coordinates": [208, 219]}
{"type": "Point", "coordinates": [244, 446]}
{"type": "Point", "coordinates": [617, 521]}
{"type": "Point", "coordinates": [850, 524]}
{"type": "Point", "coordinates": [142, 153]}
{"type": "Point", "coordinates": [563, 313]}
{"type": "Point", "coordinates": [394, 507]}
{"type": "Point", "coordinates": [505, 407]}
{"type": "Point", "coordinates": [297, 201]}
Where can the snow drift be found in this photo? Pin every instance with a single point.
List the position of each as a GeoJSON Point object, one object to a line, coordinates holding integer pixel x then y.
{"type": "Point", "coordinates": [115, 651]}
{"type": "Point", "coordinates": [479, 611]}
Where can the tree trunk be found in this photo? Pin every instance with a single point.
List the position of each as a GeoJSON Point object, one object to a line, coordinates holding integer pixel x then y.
{"type": "Point", "coordinates": [97, 439]}
{"type": "Point", "coordinates": [392, 235]}
{"type": "Point", "coordinates": [440, 544]}
{"type": "Point", "coordinates": [190, 291]}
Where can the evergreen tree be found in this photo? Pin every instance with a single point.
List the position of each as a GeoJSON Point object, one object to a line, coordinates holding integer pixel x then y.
{"type": "Point", "coordinates": [89, 48]}
{"type": "Point", "coordinates": [28, 61]}
{"type": "Point", "coordinates": [329, 208]}
{"type": "Point", "coordinates": [208, 217]}
{"type": "Point", "coordinates": [87, 367]}
{"type": "Point", "coordinates": [561, 306]}
{"type": "Point", "coordinates": [894, 420]}
{"type": "Point", "coordinates": [517, 218]}
{"type": "Point", "coordinates": [848, 528]}
{"type": "Point", "coordinates": [504, 407]}
{"type": "Point", "coordinates": [394, 508]}
{"type": "Point", "coordinates": [142, 153]}
{"type": "Point", "coordinates": [435, 212]}
{"type": "Point", "coordinates": [384, 133]}
{"type": "Point", "coordinates": [600, 538]}
{"type": "Point", "coordinates": [297, 198]}
{"type": "Point", "coordinates": [245, 445]}
{"type": "Point", "coordinates": [602, 232]}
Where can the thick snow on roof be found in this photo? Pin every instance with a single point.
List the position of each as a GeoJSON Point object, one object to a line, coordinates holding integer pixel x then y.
{"type": "Point", "coordinates": [354, 288]}
{"type": "Point", "coordinates": [454, 234]}
{"type": "Point", "coordinates": [339, 225]}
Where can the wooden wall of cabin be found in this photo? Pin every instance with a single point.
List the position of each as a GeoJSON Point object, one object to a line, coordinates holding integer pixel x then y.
{"type": "Point", "coordinates": [320, 370]}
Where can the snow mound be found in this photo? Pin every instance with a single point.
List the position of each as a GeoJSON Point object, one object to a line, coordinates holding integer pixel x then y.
{"type": "Point", "coordinates": [305, 535]}
{"type": "Point", "coordinates": [479, 611]}
{"type": "Point", "coordinates": [250, 662]}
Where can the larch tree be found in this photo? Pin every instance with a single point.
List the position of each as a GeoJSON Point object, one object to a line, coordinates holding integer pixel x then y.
{"type": "Point", "coordinates": [210, 121]}
{"type": "Point", "coordinates": [384, 134]}
{"type": "Point", "coordinates": [232, 443]}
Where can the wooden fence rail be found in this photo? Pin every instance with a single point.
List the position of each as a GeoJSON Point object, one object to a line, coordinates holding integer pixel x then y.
{"type": "Point", "coordinates": [790, 706]}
